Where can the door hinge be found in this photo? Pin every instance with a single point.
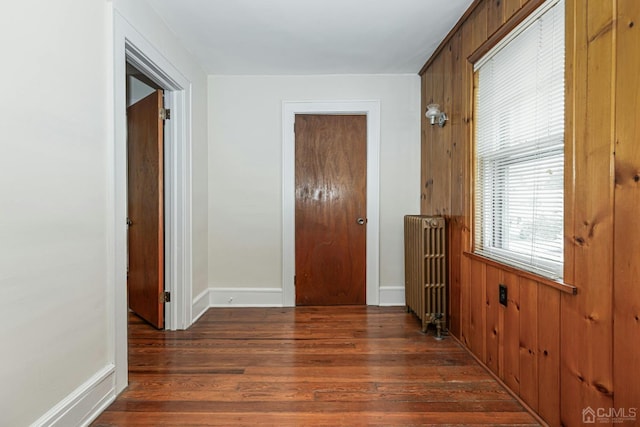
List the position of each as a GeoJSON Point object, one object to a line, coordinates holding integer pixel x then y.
{"type": "Point", "coordinates": [294, 280]}
{"type": "Point", "coordinates": [165, 296]}
{"type": "Point", "coordinates": [165, 114]}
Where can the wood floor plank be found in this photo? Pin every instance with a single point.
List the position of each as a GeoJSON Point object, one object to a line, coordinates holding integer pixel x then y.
{"type": "Point", "coordinates": [348, 419]}
{"type": "Point", "coordinates": [305, 366]}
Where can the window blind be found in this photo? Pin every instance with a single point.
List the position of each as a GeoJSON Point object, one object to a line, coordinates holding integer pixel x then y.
{"type": "Point", "coordinates": [519, 158]}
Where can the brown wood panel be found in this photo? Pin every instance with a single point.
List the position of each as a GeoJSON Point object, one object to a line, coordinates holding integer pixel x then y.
{"type": "Point", "coordinates": [426, 177]}
{"type": "Point", "coordinates": [471, 35]}
{"type": "Point", "coordinates": [445, 134]}
{"type": "Point", "coordinates": [457, 125]}
{"type": "Point", "coordinates": [478, 22]}
{"type": "Point", "coordinates": [465, 281]}
{"type": "Point", "coordinates": [501, 315]}
{"type": "Point", "coordinates": [495, 15]}
{"type": "Point", "coordinates": [145, 208]}
{"type": "Point", "coordinates": [529, 342]}
{"type": "Point", "coordinates": [493, 333]}
{"type": "Point", "coordinates": [465, 301]}
{"type": "Point", "coordinates": [331, 185]}
{"type": "Point", "coordinates": [586, 375]}
{"type": "Point", "coordinates": [509, 7]}
{"type": "Point", "coordinates": [549, 354]}
{"type": "Point", "coordinates": [477, 35]}
{"type": "Point", "coordinates": [454, 274]}
{"type": "Point", "coordinates": [311, 366]}
{"type": "Point", "coordinates": [626, 333]}
{"type": "Point", "coordinates": [440, 176]}
{"type": "Point", "coordinates": [511, 335]}
{"type": "Point", "coordinates": [467, 105]}
{"type": "Point", "coordinates": [456, 222]}
{"type": "Point", "coordinates": [477, 311]}
{"type": "Point", "coordinates": [465, 236]}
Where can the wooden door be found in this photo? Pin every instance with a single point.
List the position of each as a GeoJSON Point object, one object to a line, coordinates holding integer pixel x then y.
{"type": "Point", "coordinates": [330, 212]}
{"type": "Point", "coordinates": [145, 282]}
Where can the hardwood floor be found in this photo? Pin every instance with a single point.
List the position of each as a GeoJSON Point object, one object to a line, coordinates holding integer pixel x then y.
{"type": "Point", "coordinates": [305, 366]}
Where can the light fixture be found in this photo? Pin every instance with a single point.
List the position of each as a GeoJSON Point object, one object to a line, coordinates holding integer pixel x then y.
{"type": "Point", "coordinates": [435, 115]}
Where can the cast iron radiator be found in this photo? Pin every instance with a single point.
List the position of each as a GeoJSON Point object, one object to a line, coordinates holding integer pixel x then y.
{"type": "Point", "coordinates": [425, 270]}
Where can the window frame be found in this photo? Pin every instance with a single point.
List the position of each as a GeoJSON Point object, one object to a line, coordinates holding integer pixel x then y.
{"type": "Point", "coordinates": [549, 270]}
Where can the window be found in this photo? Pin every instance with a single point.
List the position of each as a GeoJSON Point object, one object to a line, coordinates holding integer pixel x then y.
{"type": "Point", "coordinates": [519, 157]}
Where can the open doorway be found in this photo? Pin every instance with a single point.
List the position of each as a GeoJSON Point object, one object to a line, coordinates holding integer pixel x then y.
{"type": "Point", "coordinates": [146, 294]}
{"type": "Point", "coordinates": [130, 47]}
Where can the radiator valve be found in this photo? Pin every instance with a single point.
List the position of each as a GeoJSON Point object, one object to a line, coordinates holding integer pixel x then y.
{"type": "Point", "coordinates": [438, 321]}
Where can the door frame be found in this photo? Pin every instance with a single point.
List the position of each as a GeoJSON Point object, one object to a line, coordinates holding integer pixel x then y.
{"type": "Point", "coordinates": [289, 110]}
{"type": "Point", "coordinates": [130, 46]}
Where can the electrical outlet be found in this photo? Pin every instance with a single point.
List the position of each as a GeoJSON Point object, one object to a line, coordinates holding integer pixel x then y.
{"type": "Point", "coordinates": [502, 294]}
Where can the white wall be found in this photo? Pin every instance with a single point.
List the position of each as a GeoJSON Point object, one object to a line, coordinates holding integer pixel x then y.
{"type": "Point", "coordinates": [55, 173]}
{"type": "Point", "coordinates": [245, 169]}
{"type": "Point", "coordinates": [55, 125]}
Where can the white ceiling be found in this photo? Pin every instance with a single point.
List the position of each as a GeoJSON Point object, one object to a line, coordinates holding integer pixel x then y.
{"type": "Point", "coordinates": [267, 37]}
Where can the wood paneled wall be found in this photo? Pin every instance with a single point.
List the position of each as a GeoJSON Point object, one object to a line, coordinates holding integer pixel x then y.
{"type": "Point", "coordinates": [626, 260]}
{"type": "Point", "coordinates": [560, 352]}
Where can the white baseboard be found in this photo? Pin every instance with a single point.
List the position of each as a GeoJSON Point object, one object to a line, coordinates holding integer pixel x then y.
{"type": "Point", "coordinates": [200, 305]}
{"type": "Point", "coordinates": [269, 297]}
{"type": "Point", "coordinates": [245, 297]}
{"type": "Point", "coordinates": [392, 295]}
{"type": "Point", "coordinates": [85, 403]}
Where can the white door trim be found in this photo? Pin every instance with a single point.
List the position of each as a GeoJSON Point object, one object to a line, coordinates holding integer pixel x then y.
{"type": "Point", "coordinates": [130, 46]}
{"type": "Point", "coordinates": [372, 110]}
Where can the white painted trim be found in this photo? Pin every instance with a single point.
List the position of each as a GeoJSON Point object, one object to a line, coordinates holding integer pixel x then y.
{"type": "Point", "coordinates": [245, 297]}
{"type": "Point", "coordinates": [85, 403]}
{"type": "Point", "coordinates": [129, 45]}
{"type": "Point", "coordinates": [200, 305]}
{"type": "Point", "coordinates": [392, 295]}
{"type": "Point", "coordinates": [372, 111]}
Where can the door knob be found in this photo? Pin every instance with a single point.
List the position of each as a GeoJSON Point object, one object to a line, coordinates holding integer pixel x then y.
{"type": "Point", "coordinates": [360, 221]}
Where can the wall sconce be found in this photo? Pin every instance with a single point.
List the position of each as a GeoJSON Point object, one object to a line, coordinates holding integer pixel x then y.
{"type": "Point", "coordinates": [435, 115]}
